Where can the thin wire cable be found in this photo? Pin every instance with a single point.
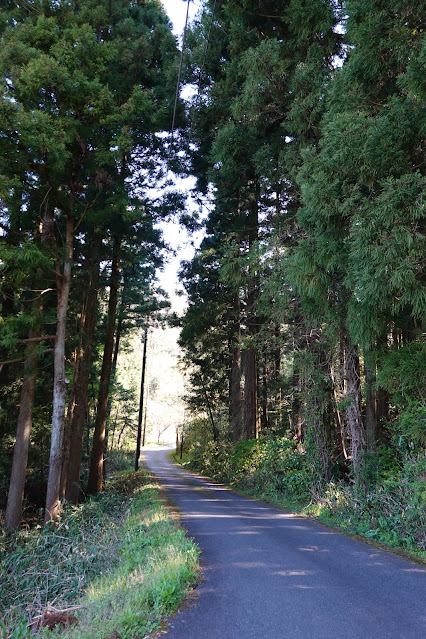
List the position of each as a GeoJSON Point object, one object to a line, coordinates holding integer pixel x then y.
{"type": "Point", "coordinates": [180, 71]}
{"type": "Point", "coordinates": [169, 152]}
{"type": "Point", "coordinates": [200, 79]}
{"type": "Point", "coordinates": [207, 41]}
{"type": "Point", "coordinates": [180, 75]}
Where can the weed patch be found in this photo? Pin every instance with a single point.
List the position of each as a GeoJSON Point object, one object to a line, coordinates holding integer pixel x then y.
{"type": "Point", "coordinates": [113, 566]}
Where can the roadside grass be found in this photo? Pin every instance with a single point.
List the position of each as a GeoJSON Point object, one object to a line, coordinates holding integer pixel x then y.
{"type": "Point", "coordinates": [390, 514]}
{"type": "Point", "coordinates": [112, 567]}
{"type": "Point", "coordinates": [350, 518]}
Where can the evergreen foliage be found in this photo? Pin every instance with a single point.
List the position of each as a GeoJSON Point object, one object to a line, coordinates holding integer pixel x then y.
{"type": "Point", "coordinates": [86, 87]}
{"type": "Point", "coordinates": [310, 125]}
{"type": "Point", "coordinates": [304, 332]}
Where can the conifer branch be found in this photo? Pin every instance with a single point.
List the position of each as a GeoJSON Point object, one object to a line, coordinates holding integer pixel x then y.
{"type": "Point", "coordinates": [40, 338]}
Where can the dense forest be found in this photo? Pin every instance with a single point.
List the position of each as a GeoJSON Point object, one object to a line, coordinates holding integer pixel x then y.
{"type": "Point", "coordinates": [304, 332]}
{"type": "Point", "coordinates": [87, 93]}
{"type": "Point", "coordinates": [307, 298]}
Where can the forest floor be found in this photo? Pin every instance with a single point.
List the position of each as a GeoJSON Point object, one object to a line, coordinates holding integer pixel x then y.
{"type": "Point", "coordinates": [111, 567]}
{"type": "Point", "coordinates": [268, 573]}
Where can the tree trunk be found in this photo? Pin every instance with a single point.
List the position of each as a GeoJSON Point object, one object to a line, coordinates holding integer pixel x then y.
{"type": "Point", "coordinates": [370, 412]}
{"type": "Point", "coordinates": [111, 443]}
{"type": "Point", "coordinates": [382, 401]}
{"type": "Point", "coordinates": [340, 427]}
{"type": "Point", "coordinates": [71, 405]}
{"type": "Point", "coordinates": [112, 386]}
{"type": "Point", "coordinates": [72, 400]}
{"type": "Point", "coordinates": [250, 394]}
{"type": "Point", "coordinates": [264, 397]}
{"type": "Point", "coordinates": [318, 399]}
{"type": "Point", "coordinates": [215, 430]}
{"type": "Point", "coordinates": [15, 497]}
{"type": "Point", "coordinates": [337, 374]}
{"type": "Point", "coordinates": [277, 378]}
{"type": "Point", "coordinates": [82, 382]}
{"type": "Point", "coordinates": [353, 410]}
{"type": "Point", "coordinates": [67, 432]}
{"type": "Point", "coordinates": [115, 356]}
{"type": "Point", "coordinates": [315, 413]}
{"type": "Point", "coordinates": [96, 461]}
{"type": "Point", "coordinates": [250, 415]}
{"type": "Point", "coordinates": [60, 382]}
{"type": "Point", "coordinates": [145, 418]}
{"type": "Point", "coordinates": [296, 416]}
{"type": "Point", "coordinates": [120, 434]}
{"type": "Point", "coordinates": [235, 396]}
{"type": "Point", "coordinates": [382, 415]}
{"type": "Point", "coordinates": [296, 405]}
{"type": "Point", "coordinates": [7, 305]}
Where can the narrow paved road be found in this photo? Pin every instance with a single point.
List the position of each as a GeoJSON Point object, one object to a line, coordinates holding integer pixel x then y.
{"type": "Point", "coordinates": [272, 575]}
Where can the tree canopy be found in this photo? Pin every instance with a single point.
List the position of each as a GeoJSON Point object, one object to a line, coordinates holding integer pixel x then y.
{"type": "Point", "coordinates": [305, 133]}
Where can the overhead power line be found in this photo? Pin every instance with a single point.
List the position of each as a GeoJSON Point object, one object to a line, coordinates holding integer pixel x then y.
{"type": "Point", "coordinates": [180, 70]}
{"type": "Point", "coordinates": [207, 43]}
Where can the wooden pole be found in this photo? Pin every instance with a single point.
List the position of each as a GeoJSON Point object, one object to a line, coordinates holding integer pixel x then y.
{"type": "Point", "coordinates": [138, 444]}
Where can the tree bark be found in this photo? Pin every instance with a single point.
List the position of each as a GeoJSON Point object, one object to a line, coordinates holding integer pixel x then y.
{"type": "Point", "coordinates": [318, 398]}
{"type": "Point", "coordinates": [96, 462]}
{"type": "Point", "coordinates": [251, 425]}
{"type": "Point", "coordinates": [250, 394]}
{"type": "Point", "coordinates": [72, 402]}
{"type": "Point", "coordinates": [296, 405]}
{"type": "Point", "coordinates": [15, 497]}
{"type": "Point", "coordinates": [264, 397]}
{"type": "Point", "coordinates": [370, 410]}
{"type": "Point", "coordinates": [113, 370]}
{"type": "Point", "coordinates": [82, 382]}
{"type": "Point", "coordinates": [277, 377]}
{"type": "Point", "coordinates": [382, 401]}
{"type": "Point", "coordinates": [235, 396]}
{"type": "Point", "coordinates": [382, 415]}
{"type": "Point", "coordinates": [353, 410]}
{"type": "Point", "coordinates": [67, 432]}
{"type": "Point", "coordinates": [296, 418]}
{"type": "Point", "coordinates": [60, 382]}
{"type": "Point", "coordinates": [215, 430]}
{"type": "Point", "coordinates": [112, 385]}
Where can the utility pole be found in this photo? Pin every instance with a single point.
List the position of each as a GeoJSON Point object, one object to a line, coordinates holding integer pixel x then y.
{"type": "Point", "coordinates": [146, 413]}
{"type": "Point", "coordinates": [138, 444]}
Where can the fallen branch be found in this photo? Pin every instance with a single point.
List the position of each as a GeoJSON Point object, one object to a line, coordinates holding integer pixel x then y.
{"type": "Point", "coordinates": [52, 617]}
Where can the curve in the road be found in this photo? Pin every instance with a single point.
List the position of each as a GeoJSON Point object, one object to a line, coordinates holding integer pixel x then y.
{"type": "Point", "coordinates": [273, 575]}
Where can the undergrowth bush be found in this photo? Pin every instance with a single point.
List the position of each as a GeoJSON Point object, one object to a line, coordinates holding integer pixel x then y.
{"type": "Point", "coordinates": [286, 467]}
{"type": "Point", "coordinates": [213, 459]}
{"type": "Point", "coordinates": [393, 511]}
{"type": "Point", "coordinates": [55, 563]}
{"type": "Point", "coordinates": [261, 465]}
{"type": "Point", "coordinates": [119, 556]}
{"type": "Point", "coordinates": [120, 460]}
{"type": "Point", "coordinates": [387, 504]}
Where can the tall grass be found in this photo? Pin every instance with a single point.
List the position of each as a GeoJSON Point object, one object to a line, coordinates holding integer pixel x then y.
{"type": "Point", "coordinates": [111, 567]}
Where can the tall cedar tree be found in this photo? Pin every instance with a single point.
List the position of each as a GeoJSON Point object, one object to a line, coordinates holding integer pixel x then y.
{"type": "Point", "coordinates": [259, 106]}
{"type": "Point", "coordinates": [363, 191]}
{"type": "Point", "coordinates": [83, 87]}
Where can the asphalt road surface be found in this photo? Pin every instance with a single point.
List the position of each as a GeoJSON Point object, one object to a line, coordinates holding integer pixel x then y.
{"type": "Point", "coordinates": [273, 575]}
